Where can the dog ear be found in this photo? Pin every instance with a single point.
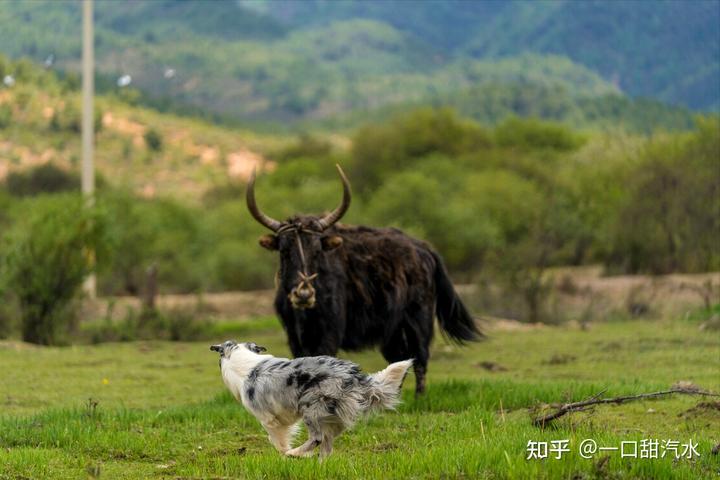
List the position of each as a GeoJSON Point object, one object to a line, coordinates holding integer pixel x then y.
{"type": "Point", "coordinates": [269, 242]}
{"type": "Point", "coordinates": [254, 347]}
{"type": "Point", "coordinates": [331, 242]}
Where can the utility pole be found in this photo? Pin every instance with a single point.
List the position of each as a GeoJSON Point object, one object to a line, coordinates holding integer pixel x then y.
{"type": "Point", "coordinates": [88, 120]}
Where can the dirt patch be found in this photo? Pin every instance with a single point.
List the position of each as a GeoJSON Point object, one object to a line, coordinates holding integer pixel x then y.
{"type": "Point", "coordinates": [242, 305]}
{"type": "Point", "coordinates": [17, 346]}
{"type": "Point", "coordinates": [384, 447]}
{"type": "Point", "coordinates": [122, 125]}
{"type": "Point", "coordinates": [560, 359]}
{"type": "Point", "coordinates": [686, 385]}
{"type": "Point", "coordinates": [711, 325]}
{"type": "Point", "coordinates": [491, 366]}
{"type": "Point", "coordinates": [702, 409]}
{"type": "Point", "coordinates": [506, 325]}
{"type": "Point", "coordinates": [241, 163]}
{"type": "Point", "coordinates": [227, 305]}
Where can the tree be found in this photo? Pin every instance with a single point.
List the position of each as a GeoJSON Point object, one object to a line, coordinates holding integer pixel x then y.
{"type": "Point", "coordinates": [50, 256]}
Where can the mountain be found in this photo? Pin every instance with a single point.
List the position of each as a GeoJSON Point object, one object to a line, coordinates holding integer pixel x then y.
{"type": "Point", "coordinates": [667, 50]}
{"type": "Point", "coordinates": [288, 61]}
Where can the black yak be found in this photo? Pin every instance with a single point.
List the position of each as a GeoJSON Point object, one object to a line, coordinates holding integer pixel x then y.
{"type": "Point", "coordinates": [354, 287]}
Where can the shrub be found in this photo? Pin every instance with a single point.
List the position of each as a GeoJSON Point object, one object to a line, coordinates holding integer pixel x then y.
{"type": "Point", "coordinates": [533, 134]}
{"type": "Point", "coordinates": [153, 139]}
{"type": "Point", "coordinates": [163, 232]}
{"type": "Point", "coordinates": [50, 256]}
{"type": "Point", "coordinates": [388, 148]}
{"type": "Point", "coordinates": [670, 219]}
{"type": "Point", "coordinates": [173, 324]}
{"type": "Point", "coordinates": [46, 178]}
{"type": "Point", "coordinates": [69, 119]}
{"type": "Point", "coordinates": [306, 146]}
{"type": "Point", "coordinates": [5, 115]}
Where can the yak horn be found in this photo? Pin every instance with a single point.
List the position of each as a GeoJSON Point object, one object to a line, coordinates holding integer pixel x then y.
{"type": "Point", "coordinates": [330, 219]}
{"type": "Point", "coordinates": [258, 215]}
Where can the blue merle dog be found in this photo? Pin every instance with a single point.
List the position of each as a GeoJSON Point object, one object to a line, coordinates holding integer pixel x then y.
{"type": "Point", "coordinates": [326, 393]}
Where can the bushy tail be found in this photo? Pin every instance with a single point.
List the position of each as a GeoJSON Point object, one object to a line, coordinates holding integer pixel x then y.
{"type": "Point", "coordinates": [385, 387]}
{"type": "Point", "coordinates": [452, 315]}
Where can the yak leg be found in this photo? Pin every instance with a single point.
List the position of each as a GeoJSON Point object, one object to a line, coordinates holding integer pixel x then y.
{"type": "Point", "coordinates": [422, 324]}
{"type": "Point", "coordinates": [410, 341]}
{"type": "Point", "coordinates": [309, 337]}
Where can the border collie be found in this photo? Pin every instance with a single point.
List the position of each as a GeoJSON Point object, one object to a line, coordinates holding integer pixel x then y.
{"type": "Point", "coordinates": [326, 393]}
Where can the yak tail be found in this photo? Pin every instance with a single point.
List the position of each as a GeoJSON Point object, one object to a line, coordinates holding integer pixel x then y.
{"type": "Point", "coordinates": [385, 385]}
{"type": "Point", "coordinates": [452, 315]}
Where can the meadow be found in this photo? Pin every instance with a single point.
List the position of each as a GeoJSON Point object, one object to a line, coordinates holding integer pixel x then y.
{"type": "Point", "coordinates": [159, 409]}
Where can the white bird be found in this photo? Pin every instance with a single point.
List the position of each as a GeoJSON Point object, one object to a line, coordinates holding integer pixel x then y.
{"type": "Point", "coordinates": [124, 81]}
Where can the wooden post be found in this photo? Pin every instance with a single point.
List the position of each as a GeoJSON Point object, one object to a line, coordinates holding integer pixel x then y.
{"type": "Point", "coordinates": [88, 121]}
{"type": "Point", "coordinates": [151, 288]}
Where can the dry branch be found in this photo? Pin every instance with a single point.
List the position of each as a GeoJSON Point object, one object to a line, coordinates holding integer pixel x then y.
{"type": "Point", "coordinates": [596, 399]}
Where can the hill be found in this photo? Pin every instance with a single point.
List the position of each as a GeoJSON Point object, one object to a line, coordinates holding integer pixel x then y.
{"type": "Point", "coordinates": [289, 61]}
{"type": "Point", "coordinates": [152, 153]}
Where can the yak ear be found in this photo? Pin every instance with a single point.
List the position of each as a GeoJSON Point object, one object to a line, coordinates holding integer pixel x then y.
{"type": "Point", "coordinates": [269, 241]}
{"type": "Point", "coordinates": [254, 347]}
{"type": "Point", "coordinates": [331, 242]}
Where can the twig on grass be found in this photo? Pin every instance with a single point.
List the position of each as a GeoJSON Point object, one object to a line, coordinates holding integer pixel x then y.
{"type": "Point", "coordinates": [542, 421]}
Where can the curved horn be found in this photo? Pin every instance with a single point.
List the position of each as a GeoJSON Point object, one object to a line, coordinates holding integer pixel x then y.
{"type": "Point", "coordinates": [263, 219]}
{"type": "Point", "coordinates": [330, 219]}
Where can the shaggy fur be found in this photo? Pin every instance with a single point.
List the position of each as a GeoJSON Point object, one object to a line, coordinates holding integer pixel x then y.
{"type": "Point", "coordinates": [374, 286]}
{"type": "Point", "coordinates": [326, 393]}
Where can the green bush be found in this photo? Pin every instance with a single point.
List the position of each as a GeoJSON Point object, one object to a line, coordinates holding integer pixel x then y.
{"type": "Point", "coordinates": [69, 119]}
{"type": "Point", "coordinates": [306, 146]}
{"type": "Point", "coordinates": [160, 231]}
{"type": "Point", "coordinates": [46, 178]}
{"type": "Point", "coordinates": [51, 253]}
{"type": "Point", "coordinates": [465, 215]}
{"type": "Point", "coordinates": [6, 115]}
{"type": "Point", "coordinates": [174, 324]}
{"type": "Point", "coordinates": [153, 139]}
{"type": "Point", "coordinates": [534, 134]}
{"type": "Point", "coordinates": [670, 219]}
{"type": "Point", "coordinates": [379, 150]}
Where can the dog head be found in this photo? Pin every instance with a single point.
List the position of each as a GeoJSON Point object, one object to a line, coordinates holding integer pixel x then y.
{"type": "Point", "coordinates": [225, 349]}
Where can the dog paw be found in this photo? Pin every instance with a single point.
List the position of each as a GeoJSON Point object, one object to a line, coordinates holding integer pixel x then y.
{"type": "Point", "coordinates": [297, 453]}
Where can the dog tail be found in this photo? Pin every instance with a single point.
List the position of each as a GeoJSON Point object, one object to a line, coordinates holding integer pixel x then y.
{"type": "Point", "coordinates": [386, 384]}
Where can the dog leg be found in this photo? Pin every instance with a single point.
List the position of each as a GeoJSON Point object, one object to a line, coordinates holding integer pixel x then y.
{"type": "Point", "coordinates": [280, 436]}
{"type": "Point", "coordinates": [315, 437]}
{"type": "Point", "coordinates": [326, 446]}
{"type": "Point", "coordinates": [304, 450]}
{"type": "Point", "coordinates": [331, 429]}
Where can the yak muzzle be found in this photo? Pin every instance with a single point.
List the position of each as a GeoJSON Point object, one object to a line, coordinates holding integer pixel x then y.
{"type": "Point", "coordinates": [217, 348]}
{"type": "Point", "coordinates": [303, 295]}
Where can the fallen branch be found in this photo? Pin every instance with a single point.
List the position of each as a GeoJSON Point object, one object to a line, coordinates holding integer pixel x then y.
{"type": "Point", "coordinates": [596, 399]}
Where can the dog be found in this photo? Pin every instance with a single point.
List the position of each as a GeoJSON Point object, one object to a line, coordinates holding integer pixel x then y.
{"type": "Point", "coordinates": [326, 393]}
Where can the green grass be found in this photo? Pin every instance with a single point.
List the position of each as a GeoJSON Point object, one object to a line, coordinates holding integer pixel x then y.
{"type": "Point", "coordinates": [163, 412]}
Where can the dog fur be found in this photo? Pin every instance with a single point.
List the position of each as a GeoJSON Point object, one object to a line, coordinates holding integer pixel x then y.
{"type": "Point", "coordinates": [326, 393]}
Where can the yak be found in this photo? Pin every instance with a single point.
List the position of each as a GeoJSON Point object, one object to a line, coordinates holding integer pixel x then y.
{"type": "Point", "coordinates": [355, 287]}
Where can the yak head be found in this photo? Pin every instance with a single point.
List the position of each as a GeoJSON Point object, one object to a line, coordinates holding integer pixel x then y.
{"type": "Point", "coordinates": [302, 241]}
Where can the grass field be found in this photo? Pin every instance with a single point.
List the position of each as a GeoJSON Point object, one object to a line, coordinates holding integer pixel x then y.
{"type": "Point", "coordinates": [160, 410]}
